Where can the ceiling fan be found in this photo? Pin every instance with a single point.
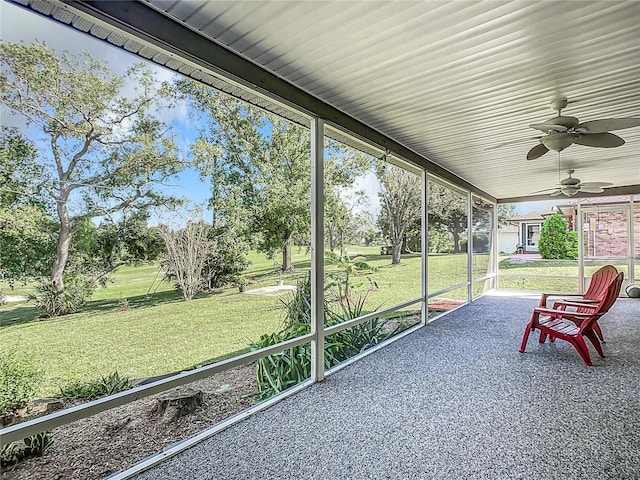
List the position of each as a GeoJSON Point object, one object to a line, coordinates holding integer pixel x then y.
{"type": "Point", "coordinates": [570, 186]}
{"type": "Point", "coordinates": [562, 131]}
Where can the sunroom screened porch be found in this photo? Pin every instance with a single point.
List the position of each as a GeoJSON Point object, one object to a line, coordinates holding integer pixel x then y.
{"type": "Point", "coordinates": [360, 132]}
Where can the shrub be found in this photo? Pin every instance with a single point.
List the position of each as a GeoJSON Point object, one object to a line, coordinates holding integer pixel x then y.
{"type": "Point", "coordinates": [18, 381]}
{"type": "Point", "coordinates": [277, 372]}
{"type": "Point", "coordinates": [480, 243]}
{"type": "Point", "coordinates": [227, 258]}
{"type": "Point", "coordinates": [571, 246]}
{"type": "Point", "coordinates": [37, 444]}
{"type": "Point", "coordinates": [76, 293]}
{"type": "Point", "coordinates": [342, 280]}
{"type": "Point", "coordinates": [186, 257]}
{"type": "Point", "coordinates": [349, 342]}
{"type": "Point", "coordinates": [33, 446]}
{"type": "Point", "coordinates": [101, 387]}
{"type": "Point", "coordinates": [285, 369]}
{"type": "Point", "coordinates": [553, 239]}
{"type": "Point", "coordinates": [298, 307]}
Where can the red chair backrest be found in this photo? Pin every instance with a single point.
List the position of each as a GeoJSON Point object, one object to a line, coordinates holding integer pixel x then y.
{"type": "Point", "coordinates": [612, 292]}
{"type": "Point", "coordinates": [600, 281]}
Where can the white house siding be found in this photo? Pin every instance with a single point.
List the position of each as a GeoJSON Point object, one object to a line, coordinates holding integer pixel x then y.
{"type": "Point", "coordinates": [507, 238]}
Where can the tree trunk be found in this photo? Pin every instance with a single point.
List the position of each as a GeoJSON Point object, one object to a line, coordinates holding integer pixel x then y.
{"type": "Point", "coordinates": [172, 407]}
{"type": "Point", "coordinates": [456, 240]}
{"type": "Point", "coordinates": [405, 245]}
{"type": "Point", "coordinates": [332, 244]}
{"type": "Point", "coordinates": [287, 266]}
{"type": "Point", "coordinates": [395, 253]}
{"type": "Point", "coordinates": [396, 236]}
{"type": "Point", "coordinates": [62, 246]}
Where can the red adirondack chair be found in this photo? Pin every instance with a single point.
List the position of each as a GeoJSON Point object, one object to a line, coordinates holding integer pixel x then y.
{"type": "Point", "coordinates": [600, 280]}
{"type": "Point", "coordinates": [573, 326]}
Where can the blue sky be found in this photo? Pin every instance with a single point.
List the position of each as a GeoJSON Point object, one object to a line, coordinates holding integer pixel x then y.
{"type": "Point", "coordinates": [19, 25]}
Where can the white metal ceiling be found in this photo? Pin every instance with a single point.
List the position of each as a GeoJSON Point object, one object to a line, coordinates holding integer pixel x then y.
{"type": "Point", "coordinates": [447, 79]}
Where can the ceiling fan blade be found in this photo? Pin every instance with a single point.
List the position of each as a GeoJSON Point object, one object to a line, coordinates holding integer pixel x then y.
{"type": "Point", "coordinates": [595, 185]}
{"type": "Point", "coordinates": [512, 142]}
{"type": "Point", "coordinates": [601, 140]}
{"type": "Point", "coordinates": [607, 124]}
{"type": "Point", "coordinates": [556, 193]}
{"type": "Point", "coordinates": [548, 127]}
{"type": "Point", "coordinates": [537, 152]}
{"type": "Point", "coordinates": [591, 190]}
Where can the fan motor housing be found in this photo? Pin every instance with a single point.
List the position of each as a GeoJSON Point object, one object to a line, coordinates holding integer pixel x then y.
{"type": "Point", "coordinates": [565, 121]}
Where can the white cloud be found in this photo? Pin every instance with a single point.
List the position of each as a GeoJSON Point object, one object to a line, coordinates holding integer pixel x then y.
{"type": "Point", "coordinates": [370, 185]}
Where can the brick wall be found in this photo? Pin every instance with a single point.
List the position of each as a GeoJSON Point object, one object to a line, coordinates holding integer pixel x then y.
{"type": "Point", "coordinates": [608, 233]}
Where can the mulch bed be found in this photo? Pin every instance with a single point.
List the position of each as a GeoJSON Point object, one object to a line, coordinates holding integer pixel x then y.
{"type": "Point", "coordinates": [112, 441]}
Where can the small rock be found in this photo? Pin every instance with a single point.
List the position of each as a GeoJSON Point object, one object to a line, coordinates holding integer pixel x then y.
{"type": "Point", "coordinates": [43, 406]}
{"type": "Point", "coordinates": [8, 419]}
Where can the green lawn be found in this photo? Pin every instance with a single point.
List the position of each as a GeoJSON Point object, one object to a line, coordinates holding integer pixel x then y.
{"type": "Point", "coordinates": [140, 326]}
{"type": "Point", "coordinates": [561, 275]}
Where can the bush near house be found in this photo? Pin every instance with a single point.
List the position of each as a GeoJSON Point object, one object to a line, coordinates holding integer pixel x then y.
{"type": "Point", "coordinates": [556, 242]}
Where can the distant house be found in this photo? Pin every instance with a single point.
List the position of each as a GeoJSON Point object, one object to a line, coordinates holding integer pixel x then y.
{"type": "Point", "coordinates": [528, 227]}
{"type": "Point", "coordinates": [604, 226]}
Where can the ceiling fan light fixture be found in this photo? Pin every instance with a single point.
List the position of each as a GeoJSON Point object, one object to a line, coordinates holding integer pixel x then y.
{"type": "Point", "coordinates": [558, 141]}
{"type": "Point", "coordinates": [570, 190]}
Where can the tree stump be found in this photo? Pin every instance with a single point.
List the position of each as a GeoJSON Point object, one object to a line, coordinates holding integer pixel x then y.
{"type": "Point", "coordinates": [172, 407]}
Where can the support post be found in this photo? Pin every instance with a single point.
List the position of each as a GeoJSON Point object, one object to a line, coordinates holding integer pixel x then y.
{"type": "Point", "coordinates": [581, 249]}
{"type": "Point", "coordinates": [495, 247]}
{"type": "Point", "coordinates": [631, 242]}
{"type": "Point", "coordinates": [317, 249]}
{"type": "Point", "coordinates": [424, 228]}
{"type": "Point", "coordinates": [469, 247]}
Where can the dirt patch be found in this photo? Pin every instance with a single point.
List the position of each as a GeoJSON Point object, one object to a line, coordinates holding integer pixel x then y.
{"type": "Point", "coordinates": [444, 304]}
{"type": "Point", "coordinates": [272, 291]}
{"type": "Point", "coordinates": [16, 298]}
{"type": "Point", "coordinates": [115, 440]}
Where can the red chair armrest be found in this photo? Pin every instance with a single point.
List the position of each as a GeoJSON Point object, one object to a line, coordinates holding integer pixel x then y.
{"type": "Point", "coordinates": [545, 296]}
{"type": "Point", "coordinates": [576, 304]}
{"type": "Point", "coordinates": [561, 313]}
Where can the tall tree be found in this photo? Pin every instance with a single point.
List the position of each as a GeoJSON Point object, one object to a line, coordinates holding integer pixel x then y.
{"type": "Point", "coordinates": [342, 222]}
{"type": "Point", "coordinates": [260, 167]}
{"type": "Point", "coordinates": [448, 212]}
{"type": "Point", "coordinates": [505, 212]}
{"type": "Point", "coordinates": [400, 200]}
{"type": "Point", "coordinates": [105, 150]}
